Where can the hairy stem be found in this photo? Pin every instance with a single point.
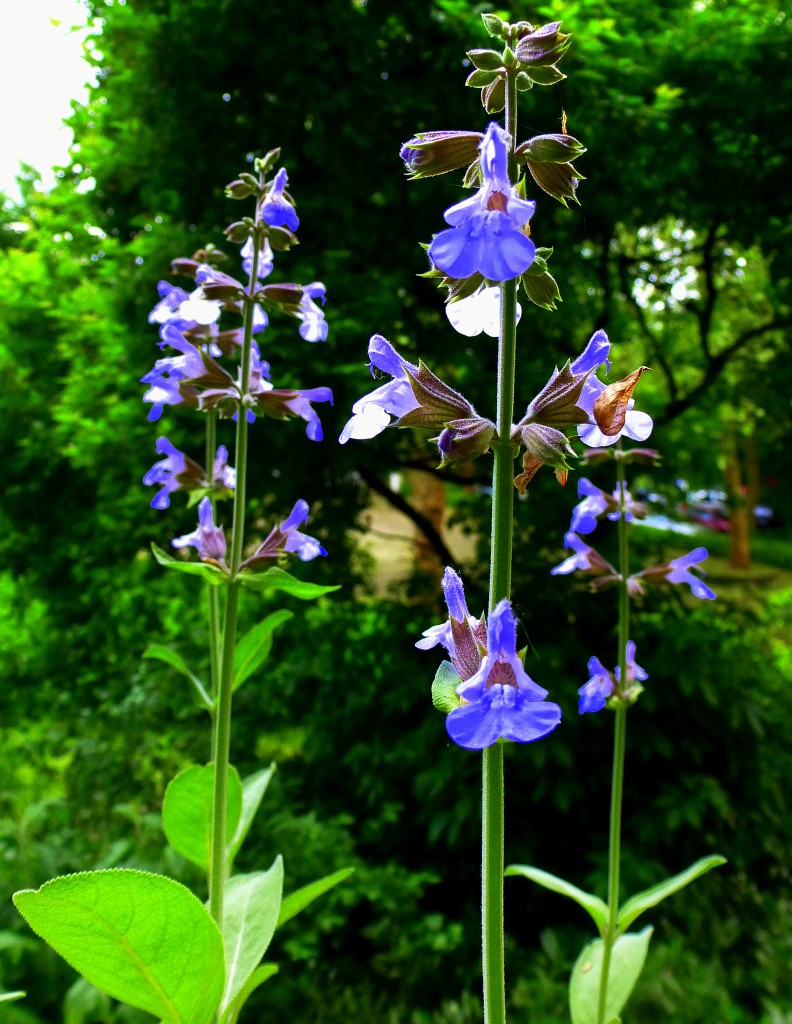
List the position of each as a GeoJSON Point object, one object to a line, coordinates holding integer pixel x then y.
{"type": "Point", "coordinates": [212, 593]}
{"type": "Point", "coordinates": [492, 820]}
{"type": "Point", "coordinates": [619, 744]}
{"type": "Point", "coordinates": [222, 723]}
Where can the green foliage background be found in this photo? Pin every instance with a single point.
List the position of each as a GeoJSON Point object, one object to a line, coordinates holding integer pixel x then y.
{"type": "Point", "coordinates": [683, 108]}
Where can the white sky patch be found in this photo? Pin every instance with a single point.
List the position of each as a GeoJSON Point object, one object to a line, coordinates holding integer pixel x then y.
{"type": "Point", "coordinates": [41, 70]}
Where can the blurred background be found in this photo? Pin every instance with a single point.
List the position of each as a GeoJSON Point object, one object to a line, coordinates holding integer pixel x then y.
{"type": "Point", "coordinates": [680, 251]}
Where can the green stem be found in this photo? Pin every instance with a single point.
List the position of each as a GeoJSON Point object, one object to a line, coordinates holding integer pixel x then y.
{"type": "Point", "coordinates": [619, 745]}
{"type": "Point", "coordinates": [222, 724]}
{"type": "Point", "coordinates": [212, 593]}
{"type": "Point", "coordinates": [492, 817]}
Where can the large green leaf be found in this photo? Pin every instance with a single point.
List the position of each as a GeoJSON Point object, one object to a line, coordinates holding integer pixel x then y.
{"type": "Point", "coordinates": [175, 660]}
{"type": "Point", "coordinates": [211, 573]}
{"type": "Point", "coordinates": [141, 938]}
{"type": "Point", "coordinates": [278, 579]}
{"type": "Point", "coordinates": [187, 812]}
{"type": "Point", "coordinates": [301, 898]}
{"type": "Point", "coordinates": [636, 905]}
{"type": "Point", "coordinates": [627, 959]}
{"type": "Point", "coordinates": [253, 789]}
{"type": "Point", "coordinates": [590, 903]}
{"type": "Point", "coordinates": [250, 913]}
{"type": "Point", "coordinates": [254, 647]}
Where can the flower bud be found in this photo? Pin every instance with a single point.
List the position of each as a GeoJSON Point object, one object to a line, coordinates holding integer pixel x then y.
{"type": "Point", "coordinates": [495, 26]}
{"type": "Point", "coordinates": [559, 180]}
{"type": "Point", "coordinates": [541, 289]}
{"type": "Point", "coordinates": [238, 232]}
{"type": "Point", "coordinates": [486, 60]}
{"type": "Point", "coordinates": [524, 82]}
{"type": "Point", "coordinates": [265, 163]}
{"type": "Point", "coordinates": [431, 153]}
{"type": "Point", "coordinates": [544, 46]}
{"type": "Point", "coordinates": [554, 149]}
{"type": "Point", "coordinates": [281, 238]}
{"type": "Point", "coordinates": [463, 440]}
{"type": "Point", "coordinates": [545, 446]}
{"type": "Point", "coordinates": [493, 97]}
{"type": "Point", "coordinates": [238, 189]}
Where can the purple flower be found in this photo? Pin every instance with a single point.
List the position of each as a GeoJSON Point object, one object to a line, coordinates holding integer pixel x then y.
{"type": "Point", "coordinates": [485, 236]}
{"type": "Point", "coordinates": [287, 539]}
{"type": "Point", "coordinates": [223, 476]}
{"type": "Point", "coordinates": [597, 690]}
{"type": "Point", "coordinates": [372, 413]}
{"type": "Point", "coordinates": [208, 539]}
{"type": "Point", "coordinates": [594, 694]}
{"type": "Point", "coordinates": [178, 471]}
{"type": "Point", "coordinates": [461, 634]}
{"type": "Point", "coordinates": [678, 570]}
{"type": "Point", "coordinates": [277, 211]}
{"type": "Point", "coordinates": [593, 355]}
{"type": "Point", "coordinates": [584, 515]}
{"type": "Point", "coordinates": [314, 325]}
{"type": "Point", "coordinates": [502, 700]}
{"type": "Point", "coordinates": [585, 559]}
{"type": "Point", "coordinates": [265, 260]}
{"type": "Point", "coordinates": [478, 312]}
{"type": "Point", "coordinates": [680, 573]}
{"type": "Point", "coordinates": [167, 309]}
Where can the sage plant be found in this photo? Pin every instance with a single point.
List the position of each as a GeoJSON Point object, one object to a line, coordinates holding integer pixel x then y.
{"type": "Point", "coordinates": [608, 968]}
{"type": "Point", "coordinates": [484, 256]}
{"type": "Point", "coordinates": [144, 938]}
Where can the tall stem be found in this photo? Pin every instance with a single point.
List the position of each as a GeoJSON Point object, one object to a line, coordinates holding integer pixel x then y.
{"type": "Point", "coordinates": [492, 817]}
{"type": "Point", "coordinates": [212, 593]}
{"type": "Point", "coordinates": [222, 722]}
{"type": "Point", "coordinates": [619, 745]}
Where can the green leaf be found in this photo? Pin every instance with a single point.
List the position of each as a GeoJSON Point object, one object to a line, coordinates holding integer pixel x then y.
{"type": "Point", "coordinates": [10, 997]}
{"type": "Point", "coordinates": [636, 905]}
{"type": "Point", "coordinates": [162, 653]}
{"type": "Point", "coordinates": [258, 977]}
{"type": "Point", "coordinates": [187, 812]}
{"type": "Point", "coordinates": [253, 789]}
{"type": "Point", "coordinates": [596, 907]}
{"type": "Point", "coordinates": [301, 898]}
{"type": "Point", "coordinates": [279, 579]}
{"type": "Point", "coordinates": [211, 573]}
{"type": "Point", "coordinates": [444, 684]}
{"type": "Point", "coordinates": [141, 938]}
{"type": "Point", "coordinates": [250, 913]}
{"type": "Point", "coordinates": [627, 959]}
{"type": "Point", "coordinates": [254, 647]}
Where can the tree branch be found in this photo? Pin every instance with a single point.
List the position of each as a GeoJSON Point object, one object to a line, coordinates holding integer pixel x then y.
{"type": "Point", "coordinates": [433, 538]}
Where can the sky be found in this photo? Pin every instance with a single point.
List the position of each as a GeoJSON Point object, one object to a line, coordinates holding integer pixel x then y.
{"type": "Point", "coordinates": [41, 70]}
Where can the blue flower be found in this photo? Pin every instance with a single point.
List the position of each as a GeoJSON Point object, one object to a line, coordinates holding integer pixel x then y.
{"type": "Point", "coordinates": [462, 635]}
{"type": "Point", "coordinates": [277, 211]}
{"type": "Point", "coordinates": [595, 693]}
{"type": "Point", "coordinates": [584, 515]}
{"type": "Point", "coordinates": [287, 539]}
{"type": "Point", "coordinates": [265, 260]}
{"type": "Point", "coordinates": [678, 570]}
{"type": "Point", "coordinates": [372, 413]}
{"type": "Point", "coordinates": [478, 312]}
{"type": "Point", "coordinates": [314, 325]}
{"type": "Point", "coordinates": [208, 539]}
{"type": "Point", "coordinates": [178, 471]}
{"type": "Point", "coordinates": [502, 700]}
{"type": "Point", "coordinates": [486, 234]}
{"type": "Point", "coordinates": [680, 573]}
